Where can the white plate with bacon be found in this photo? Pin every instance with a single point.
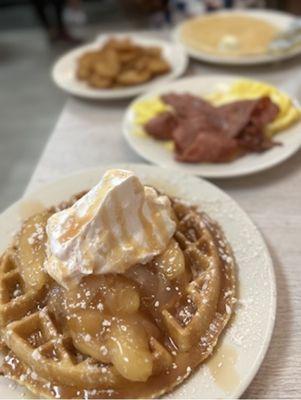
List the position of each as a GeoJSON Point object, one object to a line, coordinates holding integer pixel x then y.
{"type": "Point", "coordinates": [242, 127]}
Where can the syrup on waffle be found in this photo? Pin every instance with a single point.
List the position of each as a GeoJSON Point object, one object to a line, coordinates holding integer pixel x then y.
{"type": "Point", "coordinates": [137, 335]}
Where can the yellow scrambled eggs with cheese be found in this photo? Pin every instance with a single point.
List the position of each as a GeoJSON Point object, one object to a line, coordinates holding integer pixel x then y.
{"type": "Point", "coordinates": [243, 89]}
{"type": "Point", "coordinates": [144, 111]}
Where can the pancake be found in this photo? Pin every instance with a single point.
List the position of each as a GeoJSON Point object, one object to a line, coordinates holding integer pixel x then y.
{"type": "Point", "coordinates": [237, 35]}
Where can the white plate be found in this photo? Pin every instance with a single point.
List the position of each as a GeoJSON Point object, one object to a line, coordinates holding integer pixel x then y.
{"type": "Point", "coordinates": [155, 152]}
{"type": "Point", "coordinates": [246, 340]}
{"type": "Point", "coordinates": [64, 70]}
{"type": "Point", "coordinates": [280, 19]}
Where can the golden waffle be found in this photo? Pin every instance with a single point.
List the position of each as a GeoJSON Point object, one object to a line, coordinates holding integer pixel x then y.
{"type": "Point", "coordinates": [186, 302]}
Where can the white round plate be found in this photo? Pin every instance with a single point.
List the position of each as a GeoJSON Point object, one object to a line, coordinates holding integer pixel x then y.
{"type": "Point", "coordinates": [155, 152]}
{"type": "Point", "coordinates": [64, 70]}
{"type": "Point", "coordinates": [280, 19]}
{"type": "Point", "coordinates": [246, 339]}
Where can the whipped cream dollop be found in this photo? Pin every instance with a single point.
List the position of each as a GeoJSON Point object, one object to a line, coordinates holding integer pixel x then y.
{"type": "Point", "coordinates": [117, 224]}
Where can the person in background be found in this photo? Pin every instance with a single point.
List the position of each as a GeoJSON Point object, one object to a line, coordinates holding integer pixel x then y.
{"type": "Point", "coordinates": [74, 13]}
{"type": "Point", "coordinates": [50, 14]}
{"type": "Point", "coordinates": [213, 5]}
{"type": "Point", "coordinates": [144, 6]}
{"type": "Point", "coordinates": [153, 12]}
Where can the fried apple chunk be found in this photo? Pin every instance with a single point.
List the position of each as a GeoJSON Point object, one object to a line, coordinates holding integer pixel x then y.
{"type": "Point", "coordinates": [133, 77]}
{"type": "Point", "coordinates": [86, 331]}
{"type": "Point", "coordinates": [120, 62]}
{"type": "Point", "coordinates": [31, 252]}
{"type": "Point", "coordinates": [172, 262]}
{"type": "Point", "coordinates": [129, 349]}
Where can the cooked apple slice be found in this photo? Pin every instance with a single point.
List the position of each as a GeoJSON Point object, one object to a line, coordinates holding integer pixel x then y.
{"type": "Point", "coordinates": [129, 349]}
{"type": "Point", "coordinates": [87, 330]}
{"type": "Point", "coordinates": [162, 358]}
{"type": "Point", "coordinates": [172, 261]}
{"type": "Point", "coordinates": [121, 295]}
{"type": "Point", "coordinates": [116, 293]}
{"type": "Point", "coordinates": [31, 250]}
{"type": "Point", "coordinates": [149, 326]}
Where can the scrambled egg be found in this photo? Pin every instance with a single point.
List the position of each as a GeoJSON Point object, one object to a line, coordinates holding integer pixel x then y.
{"type": "Point", "coordinates": [243, 89]}
{"type": "Point", "coordinates": [144, 111]}
{"type": "Point", "coordinates": [147, 109]}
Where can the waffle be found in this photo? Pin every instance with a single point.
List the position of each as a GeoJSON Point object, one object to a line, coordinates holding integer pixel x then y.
{"type": "Point", "coordinates": [187, 302]}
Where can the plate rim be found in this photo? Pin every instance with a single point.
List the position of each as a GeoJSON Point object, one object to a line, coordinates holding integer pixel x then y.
{"type": "Point", "coordinates": [237, 61]}
{"type": "Point", "coordinates": [91, 171]}
{"type": "Point", "coordinates": [246, 171]}
{"type": "Point", "coordinates": [126, 92]}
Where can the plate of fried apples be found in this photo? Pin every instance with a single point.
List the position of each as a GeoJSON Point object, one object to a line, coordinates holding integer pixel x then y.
{"type": "Point", "coordinates": [119, 66]}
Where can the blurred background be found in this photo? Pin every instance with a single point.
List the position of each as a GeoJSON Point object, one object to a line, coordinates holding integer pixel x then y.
{"type": "Point", "coordinates": [34, 33]}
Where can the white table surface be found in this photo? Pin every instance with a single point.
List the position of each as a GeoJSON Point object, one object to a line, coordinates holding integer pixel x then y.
{"type": "Point", "coordinates": [89, 133]}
